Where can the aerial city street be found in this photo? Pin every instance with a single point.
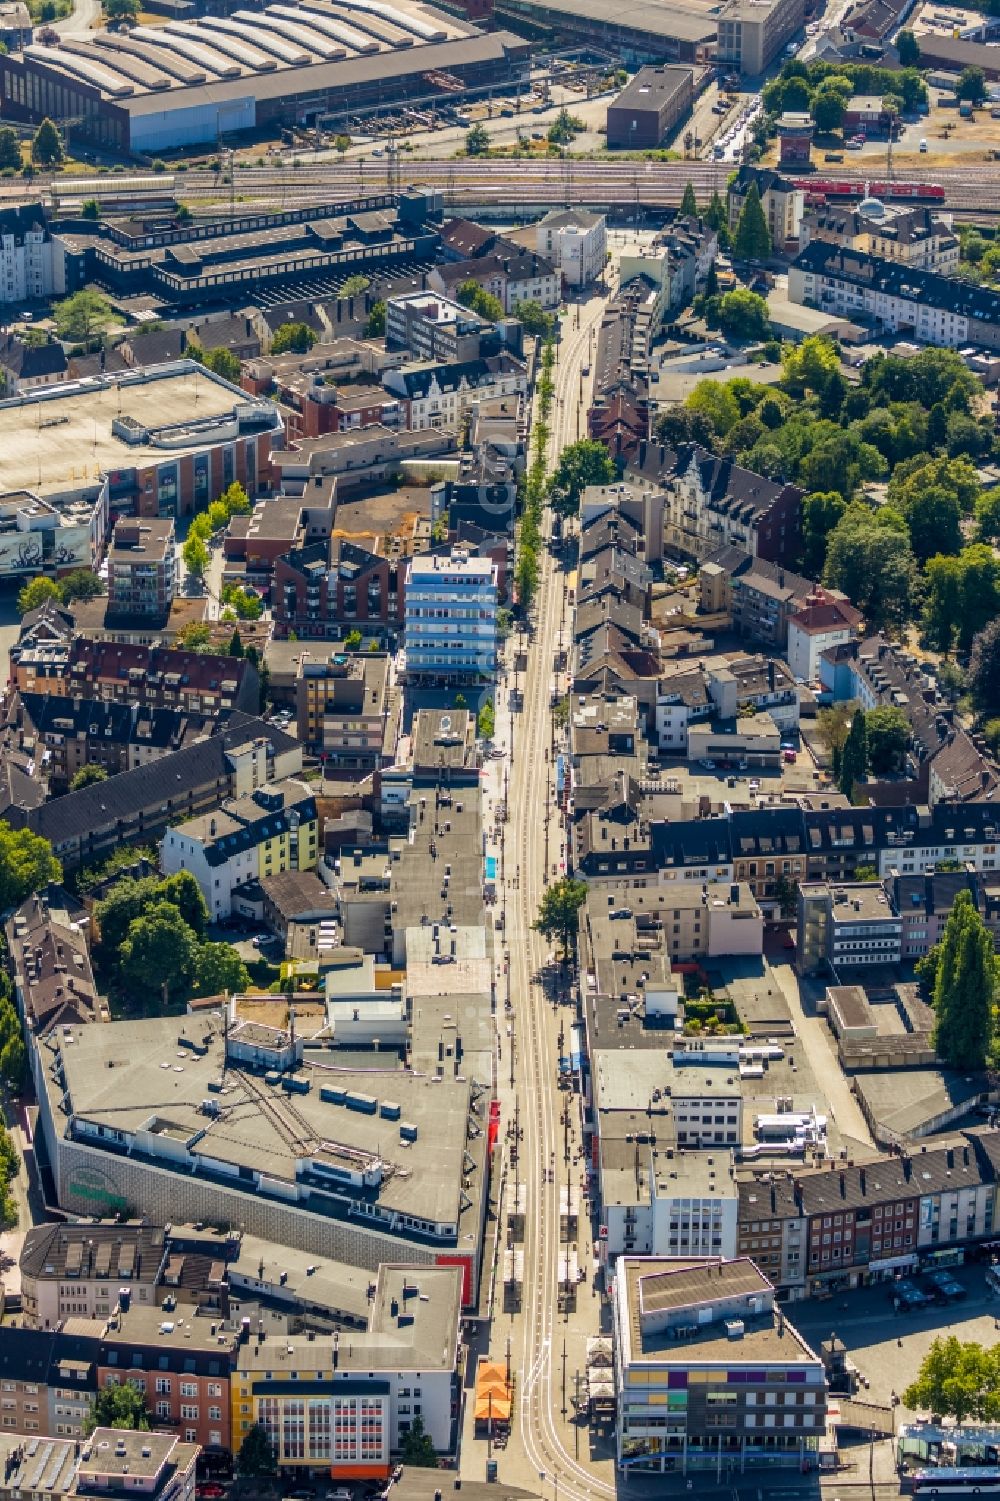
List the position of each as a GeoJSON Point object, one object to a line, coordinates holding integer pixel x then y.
{"type": "Point", "coordinates": [500, 750]}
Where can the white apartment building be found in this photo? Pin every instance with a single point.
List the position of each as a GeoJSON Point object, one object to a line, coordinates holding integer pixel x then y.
{"type": "Point", "coordinates": [440, 396]}
{"type": "Point", "coordinates": [895, 298]}
{"type": "Point", "coordinates": [576, 243]}
{"type": "Point", "coordinates": [823, 623]}
{"type": "Point", "coordinates": [26, 265]}
{"type": "Point", "coordinates": [263, 833]}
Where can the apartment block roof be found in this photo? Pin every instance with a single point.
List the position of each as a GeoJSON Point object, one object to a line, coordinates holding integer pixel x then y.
{"type": "Point", "coordinates": [130, 792]}
{"type": "Point", "coordinates": [243, 823]}
{"type": "Point", "coordinates": [894, 279]}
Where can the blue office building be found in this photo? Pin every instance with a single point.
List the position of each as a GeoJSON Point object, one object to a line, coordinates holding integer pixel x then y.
{"type": "Point", "coordinates": [451, 617]}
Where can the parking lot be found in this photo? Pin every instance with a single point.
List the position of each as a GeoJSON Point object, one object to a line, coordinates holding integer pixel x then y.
{"type": "Point", "coordinates": [888, 1346]}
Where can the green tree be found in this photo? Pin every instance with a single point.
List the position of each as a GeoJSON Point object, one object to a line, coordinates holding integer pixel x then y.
{"type": "Point", "coordinates": [235, 647]}
{"type": "Point", "coordinates": [933, 375]}
{"type": "Point", "coordinates": [534, 319]}
{"type": "Point", "coordinates": [82, 583]}
{"type": "Point", "coordinates": [681, 425]}
{"type": "Point", "coordinates": [834, 725]}
{"type": "Point", "coordinates": [486, 721]}
{"type": "Point", "coordinates": [717, 402]}
{"type": "Point", "coordinates": [159, 952]}
{"type": "Point", "coordinates": [854, 756]}
{"type": "Point", "coordinates": [13, 1072]}
{"type": "Point", "coordinates": [26, 865]}
{"type": "Point", "coordinates": [752, 241]}
{"type": "Point", "coordinates": [195, 636]}
{"type": "Point", "coordinates": [375, 326]}
{"type": "Point", "coordinates": [246, 602]}
{"type": "Point", "coordinates": [256, 1459]}
{"type": "Point", "coordinates": [294, 338]}
{"type": "Point", "coordinates": [87, 776]}
{"type": "Point", "coordinates": [417, 1448]}
{"type": "Point", "coordinates": [808, 366]}
{"type": "Point", "coordinates": [957, 1379]}
{"type": "Point", "coordinates": [10, 149]}
{"type": "Point", "coordinates": [182, 891]}
{"type": "Point", "coordinates": [563, 128]}
{"type": "Point", "coordinates": [956, 475]}
{"type": "Point", "coordinates": [828, 105]}
{"type": "Point", "coordinates": [743, 315]}
{"type": "Point", "coordinates": [221, 362]}
{"type": "Point", "coordinates": [477, 140]}
{"type": "Point", "coordinates": [869, 558]}
{"type": "Point", "coordinates": [126, 901]}
{"type": "Point", "coordinates": [471, 295]}
{"type": "Point", "coordinates": [196, 556]}
{"type": "Point", "coordinates": [81, 316]}
{"type": "Point", "coordinates": [46, 145]}
{"type": "Point", "coordinates": [965, 988]}
{"type": "Point", "coordinates": [236, 500]}
{"type": "Point", "coordinates": [121, 10]}
{"type": "Point", "coordinates": [559, 912]}
{"type": "Point", "coordinates": [984, 670]}
{"type": "Point", "coordinates": [821, 512]}
{"type": "Point", "coordinates": [37, 592]}
{"type": "Point", "coordinates": [888, 733]}
{"type": "Point", "coordinates": [711, 288]}
{"type": "Point", "coordinates": [120, 1406]}
{"type": "Point", "coordinates": [689, 203]}
{"type": "Point", "coordinates": [584, 463]}
{"type": "Point", "coordinates": [355, 285]}
{"type": "Point", "coordinates": [908, 49]}
{"type": "Point", "coordinates": [935, 523]}
{"type": "Point", "coordinates": [972, 85]}
{"type": "Point", "coordinates": [988, 516]}
{"type": "Point", "coordinates": [218, 970]}
{"type": "Point", "coordinates": [353, 639]}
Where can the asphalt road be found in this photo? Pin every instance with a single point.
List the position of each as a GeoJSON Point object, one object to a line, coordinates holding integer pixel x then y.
{"type": "Point", "coordinates": [538, 1450]}
{"type": "Point", "coordinates": [80, 19]}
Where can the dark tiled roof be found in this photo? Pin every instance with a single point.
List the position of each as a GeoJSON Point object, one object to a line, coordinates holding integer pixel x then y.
{"type": "Point", "coordinates": [126, 795]}
{"type": "Point", "coordinates": [30, 361]}
{"type": "Point", "coordinates": [897, 280]}
{"type": "Point", "coordinates": [419, 381]}
{"type": "Point", "coordinates": [767, 181]}
{"type": "Point", "coordinates": [702, 841]}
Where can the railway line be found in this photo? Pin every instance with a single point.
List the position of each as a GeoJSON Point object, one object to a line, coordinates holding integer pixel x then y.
{"type": "Point", "coordinates": [516, 184]}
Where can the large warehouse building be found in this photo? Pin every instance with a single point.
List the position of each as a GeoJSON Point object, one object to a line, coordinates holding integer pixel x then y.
{"type": "Point", "coordinates": [155, 88]}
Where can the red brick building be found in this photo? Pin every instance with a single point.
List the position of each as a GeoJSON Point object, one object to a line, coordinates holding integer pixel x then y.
{"type": "Point", "coordinates": [316, 590]}
{"type": "Point", "coordinates": [182, 1363]}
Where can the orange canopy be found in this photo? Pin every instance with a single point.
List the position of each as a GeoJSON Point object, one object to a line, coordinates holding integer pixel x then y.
{"type": "Point", "coordinates": [493, 1406]}
{"type": "Point", "coordinates": [493, 1396]}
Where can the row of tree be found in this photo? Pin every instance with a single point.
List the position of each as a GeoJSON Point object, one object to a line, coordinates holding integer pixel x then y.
{"type": "Point", "coordinates": [152, 941]}
{"type": "Point", "coordinates": [823, 90]}
{"type": "Point", "coordinates": [527, 566]}
{"type": "Point", "coordinates": [233, 501]}
{"type": "Point", "coordinates": [13, 1053]}
{"type": "Point", "coordinates": [82, 583]}
{"type": "Point", "coordinates": [46, 148]}
{"type": "Point", "coordinates": [961, 973]}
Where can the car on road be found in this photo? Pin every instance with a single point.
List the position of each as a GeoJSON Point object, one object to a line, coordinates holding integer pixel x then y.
{"type": "Point", "coordinates": [210, 1491]}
